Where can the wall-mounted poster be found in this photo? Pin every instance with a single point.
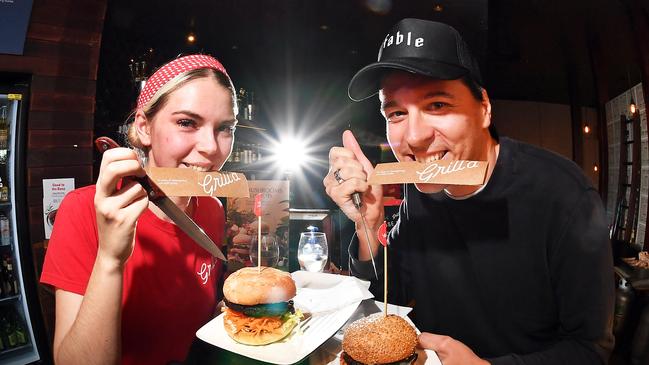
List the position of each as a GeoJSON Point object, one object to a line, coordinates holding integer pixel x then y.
{"type": "Point", "coordinates": [54, 190]}
{"type": "Point", "coordinates": [242, 226]}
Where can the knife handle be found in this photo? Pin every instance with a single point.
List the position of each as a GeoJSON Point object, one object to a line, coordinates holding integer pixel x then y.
{"type": "Point", "coordinates": [356, 198]}
{"type": "Point", "coordinates": [104, 144]}
{"type": "Point", "coordinates": [151, 191]}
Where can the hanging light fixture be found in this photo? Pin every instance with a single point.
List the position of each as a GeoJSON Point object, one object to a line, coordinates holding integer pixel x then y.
{"type": "Point", "coordinates": [191, 35]}
{"type": "Point", "coordinates": [586, 128]}
{"type": "Point", "coordinates": [632, 107]}
{"type": "Point", "coordinates": [595, 168]}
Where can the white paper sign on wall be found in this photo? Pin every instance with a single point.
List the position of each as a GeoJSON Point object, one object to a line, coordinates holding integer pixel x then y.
{"type": "Point", "coordinates": [53, 192]}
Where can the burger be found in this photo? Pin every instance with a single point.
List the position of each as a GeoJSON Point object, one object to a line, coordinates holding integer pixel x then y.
{"type": "Point", "coordinates": [379, 339]}
{"type": "Point", "coordinates": [239, 249]}
{"type": "Point", "coordinates": [259, 309]}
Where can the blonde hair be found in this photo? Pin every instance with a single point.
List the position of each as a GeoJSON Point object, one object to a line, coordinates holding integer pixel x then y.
{"type": "Point", "coordinates": [159, 99]}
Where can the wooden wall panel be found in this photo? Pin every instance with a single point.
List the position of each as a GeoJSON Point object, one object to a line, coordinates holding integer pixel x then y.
{"type": "Point", "coordinates": [47, 67]}
{"type": "Point", "coordinates": [82, 16]}
{"type": "Point", "coordinates": [72, 53]}
{"type": "Point", "coordinates": [64, 85]}
{"type": "Point", "coordinates": [60, 120]}
{"type": "Point", "coordinates": [63, 34]}
{"type": "Point", "coordinates": [42, 157]}
{"type": "Point", "coordinates": [61, 56]}
{"type": "Point", "coordinates": [35, 195]}
{"type": "Point", "coordinates": [56, 138]}
{"type": "Point", "coordinates": [49, 101]}
{"type": "Point", "coordinates": [52, 101]}
{"type": "Point", "coordinates": [36, 222]}
{"type": "Point", "coordinates": [35, 175]}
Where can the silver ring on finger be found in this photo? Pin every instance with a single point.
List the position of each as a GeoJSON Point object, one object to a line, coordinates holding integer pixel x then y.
{"type": "Point", "coordinates": [338, 177]}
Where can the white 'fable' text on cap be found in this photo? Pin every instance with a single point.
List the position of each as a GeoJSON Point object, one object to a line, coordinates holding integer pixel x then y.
{"type": "Point", "coordinates": [399, 38]}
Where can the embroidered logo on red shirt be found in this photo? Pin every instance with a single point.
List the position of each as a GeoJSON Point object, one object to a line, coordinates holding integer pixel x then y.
{"type": "Point", "coordinates": [206, 271]}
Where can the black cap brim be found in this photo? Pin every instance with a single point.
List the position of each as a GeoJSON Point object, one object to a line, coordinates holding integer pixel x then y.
{"type": "Point", "coordinates": [367, 82]}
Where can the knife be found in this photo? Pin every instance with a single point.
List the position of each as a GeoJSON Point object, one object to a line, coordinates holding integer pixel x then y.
{"type": "Point", "coordinates": [358, 202]}
{"type": "Point", "coordinates": [158, 197]}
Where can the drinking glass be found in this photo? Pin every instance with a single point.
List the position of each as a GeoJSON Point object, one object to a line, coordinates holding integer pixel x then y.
{"type": "Point", "coordinates": [269, 250]}
{"type": "Point", "coordinates": [312, 251]}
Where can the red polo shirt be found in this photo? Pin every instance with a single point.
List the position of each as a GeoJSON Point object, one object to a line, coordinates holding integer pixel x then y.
{"type": "Point", "coordinates": [169, 281]}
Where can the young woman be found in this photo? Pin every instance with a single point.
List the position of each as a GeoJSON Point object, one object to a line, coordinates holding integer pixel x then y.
{"type": "Point", "coordinates": [131, 287]}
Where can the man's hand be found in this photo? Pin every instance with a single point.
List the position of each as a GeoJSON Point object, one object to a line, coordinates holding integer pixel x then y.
{"type": "Point", "coordinates": [348, 173]}
{"type": "Point", "coordinates": [449, 350]}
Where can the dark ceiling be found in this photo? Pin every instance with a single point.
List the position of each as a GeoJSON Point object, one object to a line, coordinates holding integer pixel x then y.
{"type": "Point", "coordinates": [297, 56]}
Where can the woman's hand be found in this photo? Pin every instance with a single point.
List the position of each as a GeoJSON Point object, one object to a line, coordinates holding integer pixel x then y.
{"type": "Point", "coordinates": [449, 350]}
{"type": "Point", "coordinates": [118, 210]}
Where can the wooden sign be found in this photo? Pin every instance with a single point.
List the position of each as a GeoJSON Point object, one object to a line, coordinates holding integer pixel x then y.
{"type": "Point", "coordinates": [460, 172]}
{"type": "Point", "coordinates": [188, 182]}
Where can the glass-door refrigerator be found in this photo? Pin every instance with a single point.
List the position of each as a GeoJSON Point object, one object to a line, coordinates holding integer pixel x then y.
{"type": "Point", "coordinates": [20, 315]}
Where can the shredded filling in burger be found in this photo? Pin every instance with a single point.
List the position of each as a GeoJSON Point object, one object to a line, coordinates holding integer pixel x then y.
{"type": "Point", "coordinates": [259, 309]}
{"type": "Point", "coordinates": [378, 339]}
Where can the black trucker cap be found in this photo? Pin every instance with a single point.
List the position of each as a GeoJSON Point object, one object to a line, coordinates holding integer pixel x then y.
{"type": "Point", "coordinates": [420, 46]}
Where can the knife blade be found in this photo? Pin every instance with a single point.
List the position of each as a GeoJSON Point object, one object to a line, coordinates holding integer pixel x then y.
{"type": "Point", "coordinates": [356, 198]}
{"type": "Point", "coordinates": [157, 197]}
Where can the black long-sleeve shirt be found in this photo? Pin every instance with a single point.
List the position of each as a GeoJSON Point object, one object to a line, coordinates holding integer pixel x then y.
{"type": "Point", "coordinates": [521, 273]}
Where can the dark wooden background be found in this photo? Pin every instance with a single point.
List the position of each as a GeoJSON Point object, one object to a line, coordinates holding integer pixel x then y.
{"type": "Point", "coordinates": [61, 56]}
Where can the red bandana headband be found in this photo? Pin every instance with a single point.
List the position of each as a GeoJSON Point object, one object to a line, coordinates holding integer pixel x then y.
{"type": "Point", "coordinates": [172, 69]}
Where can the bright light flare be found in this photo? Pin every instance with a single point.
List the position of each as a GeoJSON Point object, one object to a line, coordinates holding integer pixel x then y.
{"type": "Point", "coordinates": [290, 154]}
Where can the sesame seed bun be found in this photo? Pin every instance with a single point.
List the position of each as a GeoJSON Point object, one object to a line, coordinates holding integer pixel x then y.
{"type": "Point", "coordinates": [378, 339]}
{"type": "Point", "coordinates": [249, 286]}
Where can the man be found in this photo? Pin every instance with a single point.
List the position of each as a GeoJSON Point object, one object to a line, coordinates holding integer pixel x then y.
{"type": "Point", "coordinates": [516, 271]}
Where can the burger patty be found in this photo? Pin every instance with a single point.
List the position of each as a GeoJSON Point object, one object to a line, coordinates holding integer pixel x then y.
{"type": "Point", "coordinates": [262, 310]}
{"type": "Point", "coordinates": [407, 361]}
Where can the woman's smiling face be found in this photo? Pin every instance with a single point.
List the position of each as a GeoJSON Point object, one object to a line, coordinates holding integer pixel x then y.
{"type": "Point", "coordinates": [194, 129]}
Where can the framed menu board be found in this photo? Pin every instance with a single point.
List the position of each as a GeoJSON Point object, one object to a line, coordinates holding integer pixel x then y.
{"type": "Point", "coordinates": [242, 225]}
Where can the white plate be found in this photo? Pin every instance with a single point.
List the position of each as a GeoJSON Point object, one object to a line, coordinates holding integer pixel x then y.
{"type": "Point", "coordinates": [298, 345]}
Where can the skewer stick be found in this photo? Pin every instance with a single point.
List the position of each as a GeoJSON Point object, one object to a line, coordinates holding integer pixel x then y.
{"type": "Point", "coordinates": [257, 210]}
{"type": "Point", "coordinates": [259, 244]}
{"type": "Point", "coordinates": [382, 235]}
{"type": "Point", "coordinates": [385, 280]}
